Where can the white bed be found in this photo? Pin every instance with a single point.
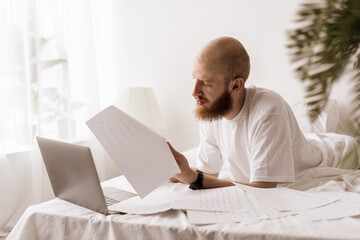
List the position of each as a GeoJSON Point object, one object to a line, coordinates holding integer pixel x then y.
{"type": "Point", "coordinates": [58, 219]}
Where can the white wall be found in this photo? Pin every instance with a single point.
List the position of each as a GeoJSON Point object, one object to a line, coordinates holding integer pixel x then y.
{"type": "Point", "coordinates": [157, 40]}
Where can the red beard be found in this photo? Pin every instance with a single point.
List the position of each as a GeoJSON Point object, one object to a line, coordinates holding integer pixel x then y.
{"type": "Point", "coordinates": [217, 110]}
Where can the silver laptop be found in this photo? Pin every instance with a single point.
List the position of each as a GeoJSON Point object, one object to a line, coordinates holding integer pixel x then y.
{"type": "Point", "coordinates": [74, 178]}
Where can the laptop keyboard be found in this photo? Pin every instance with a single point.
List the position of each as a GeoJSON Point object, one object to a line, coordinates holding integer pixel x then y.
{"type": "Point", "coordinates": [110, 201]}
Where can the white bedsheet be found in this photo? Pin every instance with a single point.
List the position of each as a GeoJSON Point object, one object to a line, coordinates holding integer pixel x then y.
{"type": "Point", "coordinates": [58, 219]}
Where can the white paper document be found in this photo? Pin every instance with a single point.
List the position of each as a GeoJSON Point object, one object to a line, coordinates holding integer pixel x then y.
{"type": "Point", "coordinates": [348, 205]}
{"type": "Point", "coordinates": [285, 199]}
{"type": "Point", "coordinates": [153, 203]}
{"type": "Point", "coordinates": [255, 211]}
{"type": "Point", "coordinates": [209, 217]}
{"type": "Point", "coordinates": [142, 155]}
{"type": "Point", "coordinates": [218, 199]}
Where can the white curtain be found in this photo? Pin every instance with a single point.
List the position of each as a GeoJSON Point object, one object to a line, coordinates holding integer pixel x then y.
{"type": "Point", "coordinates": [56, 69]}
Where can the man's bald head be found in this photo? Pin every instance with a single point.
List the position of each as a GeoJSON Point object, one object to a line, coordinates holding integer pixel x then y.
{"type": "Point", "coordinates": [227, 55]}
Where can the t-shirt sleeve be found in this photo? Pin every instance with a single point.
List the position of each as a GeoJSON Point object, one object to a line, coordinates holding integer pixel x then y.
{"type": "Point", "coordinates": [209, 157]}
{"type": "Point", "coordinates": [271, 153]}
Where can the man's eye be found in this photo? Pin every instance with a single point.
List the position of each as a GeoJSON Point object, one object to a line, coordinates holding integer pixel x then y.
{"type": "Point", "coordinates": [201, 82]}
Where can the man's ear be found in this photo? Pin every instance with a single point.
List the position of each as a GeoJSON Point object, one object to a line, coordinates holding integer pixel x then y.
{"type": "Point", "coordinates": [237, 84]}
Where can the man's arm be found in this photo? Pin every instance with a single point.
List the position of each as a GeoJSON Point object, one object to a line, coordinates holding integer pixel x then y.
{"type": "Point", "coordinates": [189, 175]}
{"type": "Point", "coordinates": [173, 179]}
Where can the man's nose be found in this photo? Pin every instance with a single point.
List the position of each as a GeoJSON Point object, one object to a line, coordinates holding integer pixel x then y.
{"type": "Point", "coordinates": [197, 89]}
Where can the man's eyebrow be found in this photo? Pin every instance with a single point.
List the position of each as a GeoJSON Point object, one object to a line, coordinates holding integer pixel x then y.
{"type": "Point", "coordinates": [207, 81]}
{"type": "Point", "coordinates": [203, 80]}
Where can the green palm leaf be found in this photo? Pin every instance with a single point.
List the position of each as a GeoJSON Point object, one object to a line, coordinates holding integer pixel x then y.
{"type": "Point", "coordinates": [327, 44]}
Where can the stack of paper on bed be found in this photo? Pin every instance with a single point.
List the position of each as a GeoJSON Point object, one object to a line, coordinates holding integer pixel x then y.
{"type": "Point", "coordinates": [348, 205]}
{"type": "Point", "coordinates": [245, 204]}
{"type": "Point", "coordinates": [218, 199]}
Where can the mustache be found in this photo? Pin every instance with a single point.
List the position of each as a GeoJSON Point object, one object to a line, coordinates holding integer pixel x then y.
{"type": "Point", "coordinates": [200, 98]}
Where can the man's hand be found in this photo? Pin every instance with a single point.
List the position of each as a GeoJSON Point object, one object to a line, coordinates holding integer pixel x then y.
{"type": "Point", "coordinates": [187, 175]}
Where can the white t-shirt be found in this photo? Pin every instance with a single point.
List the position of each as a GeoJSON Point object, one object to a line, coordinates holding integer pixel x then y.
{"type": "Point", "coordinates": [262, 143]}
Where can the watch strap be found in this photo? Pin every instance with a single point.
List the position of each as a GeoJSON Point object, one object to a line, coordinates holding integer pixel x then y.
{"type": "Point", "coordinates": [198, 184]}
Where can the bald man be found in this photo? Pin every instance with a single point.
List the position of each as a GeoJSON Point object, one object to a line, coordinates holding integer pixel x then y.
{"type": "Point", "coordinates": [251, 132]}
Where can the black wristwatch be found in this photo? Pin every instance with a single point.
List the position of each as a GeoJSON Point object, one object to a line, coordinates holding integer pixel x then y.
{"type": "Point", "coordinates": [198, 184]}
